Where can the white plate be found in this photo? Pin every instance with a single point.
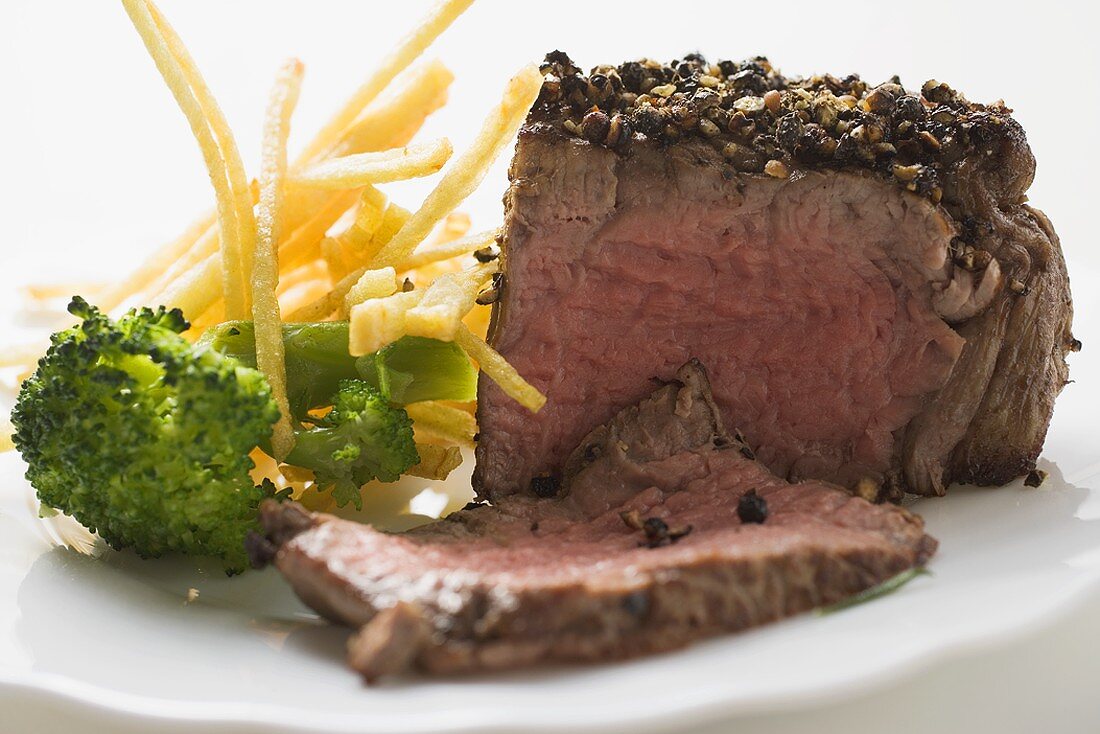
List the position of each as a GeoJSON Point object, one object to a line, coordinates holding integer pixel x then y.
{"type": "Point", "coordinates": [113, 641]}
{"type": "Point", "coordinates": [116, 635]}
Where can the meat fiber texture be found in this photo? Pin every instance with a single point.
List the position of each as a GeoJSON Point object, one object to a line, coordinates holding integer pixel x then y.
{"type": "Point", "coordinates": [839, 331]}
{"type": "Point", "coordinates": [642, 549]}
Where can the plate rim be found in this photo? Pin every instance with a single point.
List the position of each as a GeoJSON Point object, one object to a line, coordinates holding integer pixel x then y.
{"type": "Point", "coordinates": [108, 704]}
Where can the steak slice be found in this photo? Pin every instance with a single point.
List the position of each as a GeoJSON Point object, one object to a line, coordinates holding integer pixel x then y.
{"type": "Point", "coordinates": [643, 549]}
{"type": "Point", "coordinates": [856, 267]}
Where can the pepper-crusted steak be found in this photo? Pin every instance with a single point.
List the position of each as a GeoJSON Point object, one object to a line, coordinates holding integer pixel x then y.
{"type": "Point", "coordinates": [856, 267]}
{"type": "Point", "coordinates": [647, 547]}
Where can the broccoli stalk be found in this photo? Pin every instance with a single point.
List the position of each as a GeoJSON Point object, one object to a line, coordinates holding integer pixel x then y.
{"type": "Point", "coordinates": [143, 439]}
{"type": "Point", "coordinates": [317, 361]}
{"type": "Point", "coordinates": [363, 437]}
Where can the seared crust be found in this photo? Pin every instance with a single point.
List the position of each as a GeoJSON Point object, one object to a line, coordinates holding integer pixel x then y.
{"type": "Point", "coordinates": [1006, 435]}
{"type": "Point", "coordinates": [753, 115]}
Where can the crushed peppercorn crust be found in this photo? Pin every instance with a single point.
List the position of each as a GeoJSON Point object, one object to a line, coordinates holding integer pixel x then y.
{"type": "Point", "coordinates": [763, 122]}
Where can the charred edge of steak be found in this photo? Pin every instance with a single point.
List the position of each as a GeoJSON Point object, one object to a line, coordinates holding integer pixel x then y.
{"type": "Point", "coordinates": [281, 521]}
{"type": "Point", "coordinates": [389, 643]}
{"type": "Point", "coordinates": [764, 122]}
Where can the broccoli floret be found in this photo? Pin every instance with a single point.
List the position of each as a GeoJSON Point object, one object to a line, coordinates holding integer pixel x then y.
{"type": "Point", "coordinates": [145, 438]}
{"type": "Point", "coordinates": [362, 438]}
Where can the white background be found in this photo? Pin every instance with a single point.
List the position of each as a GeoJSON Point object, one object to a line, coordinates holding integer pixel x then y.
{"type": "Point", "coordinates": [97, 165]}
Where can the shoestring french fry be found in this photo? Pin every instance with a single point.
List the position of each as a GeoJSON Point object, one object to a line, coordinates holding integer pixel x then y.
{"type": "Point", "coordinates": [377, 322]}
{"type": "Point", "coordinates": [6, 431]}
{"type": "Point", "coordinates": [466, 171]}
{"type": "Point", "coordinates": [155, 265]}
{"type": "Point", "coordinates": [297, 298]}
{"type": "Point", "coordinates": [303, 204]}
{"type": "Point", "coordinates": [309, 272]}
{"type": "Point", "coordinates": [360, 169]}
{"type": "Point", "coordinates": [22, 355]}
{"type": "Point", "coordinates": [449, 297]}
{"type": "Point", "coordinates": [499, 371]}
{"type": "Point", "coordinates": [393, 219]}
{"type": "Point", "coordinates": [372, 284]}
{"type": "Point", "coordinates": [304, 243]}
{"type": "Point", "coordinates": [195, 290]}
{"type": "Point", "coordinates": [333, 256]}
{"type": "Point", "coordinates": [347, 250]}
{"type": "Point", "coordinates": [436, 462]}
{"type": "Point", "coordinates": [407, 51]}
{"type": "Point", "coordinates": [443, 422]}
{"type": "Point", "coordinates": [421, 91]}
{"type": "Point", "coordinates": [270, 357]}
{"type": "Point", "coordinates": [212, 129]}
{"type": "Point", "coordinates": [326, 304]}
{"type": "Point", "coordinates": [449, 250]}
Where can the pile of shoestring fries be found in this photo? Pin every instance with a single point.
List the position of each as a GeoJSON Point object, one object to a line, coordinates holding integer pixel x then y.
{"type": "Point", "coordinates": [314, 238]}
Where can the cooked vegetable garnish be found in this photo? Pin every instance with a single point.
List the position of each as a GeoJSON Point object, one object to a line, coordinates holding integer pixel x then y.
{"type": "Point", "coordinates": [361, 439]}
{"type": "Point", "coordinates": [412, 369]}
{"type": "Point", "coordinates": [144, 437]}
{"type": "Point", "coordinates": [395, 62]}
{"type": "Point", "coordinates": [146, 428]}
{"type": "Point", "coordinates": [888, 586]}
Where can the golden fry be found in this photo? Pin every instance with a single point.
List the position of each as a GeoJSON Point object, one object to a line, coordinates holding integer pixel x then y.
{"type": "Point", "coordinates": [400, 114]}
{"type": "Point", "coordinates": [390, 125]}
{"type": "Point", "coordinates": [393, 220]}
{"type": "Point", "coordinates": [304, 243]}
{"type": "Point", "coordinates": [436, 462]}
{"type": "Point", "coordinates": [156, 264]}
{"type": "Point", "coordinates": [443, 422]}
{"type": "Point", "coordinates": [270, 357]}
{"type": "Point", "coordinates": [449, 250]}
{"type": "Point", "coordinates": [297, 299]}
{"type": "Point", "coordinates": [368, 218]}
{"type": "Point", "coordinates": [196, 290]}
{"type": "Point", "coordinates": [334, 300]}
{"type": "Point", "coordinates": [499, 371]}
{"type": "Point", "coordinates": [6, 431]}
{"type": "Point", "coordinates": [322, 306]}
{"type": "Point", "coordinates": [313, 271]}
{"type": "Point", "coordinates": [22, 355]}
{"type": "Point", "coordinates": [468, 170]}
{"type": "Point", "coordinates": [376, 322]}
{"type": "Point", "coordinates": [50, 291]}
{"type": "Point", "coordinates": [219, 147]}
{"type": "Point", "coordinates": [397, 61]}
{"type": "Point", "coordinates": [446, 301]}
{"type": "Point", "coordinates": [372, 284]}
{"type": "Point", "coordinates": [347, 249]}
{"type": "Point", "coordinates": [396, 164]}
